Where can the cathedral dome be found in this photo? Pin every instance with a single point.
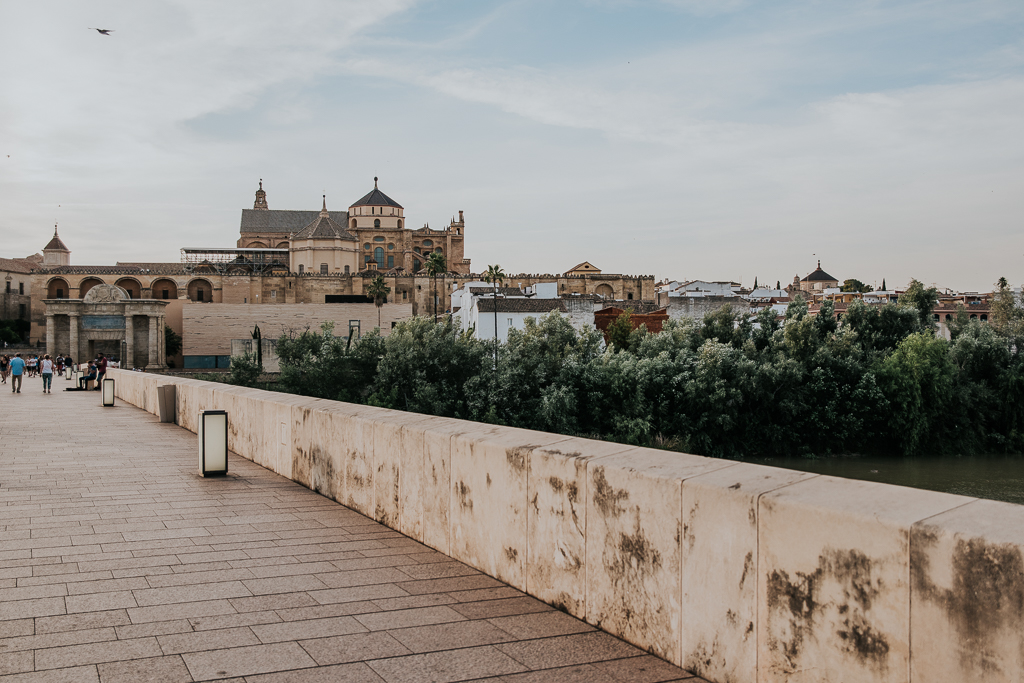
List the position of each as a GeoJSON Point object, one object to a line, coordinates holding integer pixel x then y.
{"type": "Point", "coordinates": [376, 198]}
{"type": "Point", "coordinates": [323, 228]}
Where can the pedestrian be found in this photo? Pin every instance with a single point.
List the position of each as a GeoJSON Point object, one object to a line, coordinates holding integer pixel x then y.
{"type": "Point", "coordinates": [69, 363]}
{"type": "Point", "coordinates": [17, 370]}
{"type": "Point", "coordinates": [33, 361]}
{"type": "Point", "coordinates": [58, 363]}
{"type": "Point", "coordinates": [5, 368]}
{"type": "Point", "coordinates": [46, 370]}
{"type": "Point", "coordinates": [101, 370]}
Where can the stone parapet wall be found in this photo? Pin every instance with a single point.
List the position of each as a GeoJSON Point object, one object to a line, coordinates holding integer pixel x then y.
{"type": "Point", "coordinates": [738, 572]}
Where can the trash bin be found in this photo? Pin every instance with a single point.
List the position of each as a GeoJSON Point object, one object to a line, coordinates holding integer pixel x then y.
{"type": "Point", "coordinates": [167, 402]}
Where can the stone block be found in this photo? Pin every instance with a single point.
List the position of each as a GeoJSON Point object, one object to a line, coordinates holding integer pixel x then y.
{"type": "Point", "coordinates": [634, 531]}
{"type": "Point", "coordinates": [489, 467]}
{"type": "Point", "coordinates": [719, 569]}
{"type": "Point", "coordinates": [398, 467]}
{"type": "Point", "coordinates": [834, 579]}
{"type": "Point", "coordinates": [967, 595]}
{"type": "Point", "coordinates": [557, 528]}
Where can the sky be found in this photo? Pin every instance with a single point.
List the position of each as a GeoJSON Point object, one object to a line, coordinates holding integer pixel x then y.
{"type": "Point", "coordinates": [685, 139]}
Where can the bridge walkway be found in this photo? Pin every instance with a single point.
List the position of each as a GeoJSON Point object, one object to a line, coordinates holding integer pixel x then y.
{"type": "Point", "coordinates": [118, 563]}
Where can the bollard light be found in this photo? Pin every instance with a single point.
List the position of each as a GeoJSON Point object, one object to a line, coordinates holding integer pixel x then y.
{"type": "Point", "coordinates": [108, 392]}
{"type": "Point", "coordinates": [213, 442]}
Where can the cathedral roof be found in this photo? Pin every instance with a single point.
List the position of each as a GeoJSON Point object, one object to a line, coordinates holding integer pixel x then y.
{"type": "Point", "coordinates": [276, 220]}
{"type": "Point", "coordinates": [819, 275]}
{"type": "Point", "coordinates": [377, 198]}
{"type": "Point", "coordinates": [324, 228]}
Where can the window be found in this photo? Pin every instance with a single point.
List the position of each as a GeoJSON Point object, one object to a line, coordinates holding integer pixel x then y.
{"type": "Point", "coordinates": [378, 256]}
{"type": "Point", "coordinates": [437, 250]}
{"type": "Point", "coordinates": [8, 290]}
{"type": "Point", "coordinates": [199, 294]}
{"type": "Point", "coordinates": [630, 295]}
{"type": "Point", "coordinates": [510, 322]}
{"type": "Point", "coordinates": [391, 247]}
{"type": "Point", "coordinates": [323, 269]}
{"type": "Point", "coordinates": [391, 261]}
{"type": "Point", "coordinates": [60, 293]}
{"type": "Point", "coordinates": [273, 294]}
{"type": "Point", "coordinates": [376, 223]}
{"type": "Point", "coordinates": [302, 269]}
{"type": "Point", "coordinates": [366, 246]}
{"type": "Point", "coordinates": [353, 328]}
{"type": "Point", "coordinates": [21, 288]}
{"type": "Point", "coordinates": [21, 311]}
{"type": "Point", "coordinates": [404, 294]}
{"type": "Point", "coordinates": [353, 222]}
{"type": "Point", "coordinates": [378, 239]}
{"type": "Point", "coordinates": [165, 294]}
{"type": "Point", "coordinates": [428, 243]}
{"type": "Point", "coordinates": [346, 270]}
{"type": "Point", "coordinates": [415, 266]}
{"type": "Point", "coordinates": [399, 222]}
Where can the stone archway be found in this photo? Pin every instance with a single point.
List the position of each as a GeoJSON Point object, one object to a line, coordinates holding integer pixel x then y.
{"type": "Point", "coordinates": [164, 288]}
{"type": "Point", "coordinates": [132, 286]}
{"type": "Point", "coordinates": [58, 288]}
{"type": "Point", "coordinates": [86, 284]}
{"type": "Point", "coordinates": [200, 289]}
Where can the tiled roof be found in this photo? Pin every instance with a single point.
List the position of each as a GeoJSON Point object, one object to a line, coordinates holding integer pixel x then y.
{"type": "Point", "coordinates": [376, 198]}
{"type": "Point", "coordinates": [323, 227]}
{"type": "Point", "coordinates": [119, 269]}
{"type": "Point", "coordinates": [264, 221]}
{"type": "Point", "coordinates": [16, 265]}
{"type": "Point", "coordinates": [56, 243]}
{"type": "Point", "coordinates": [517, 305]}
{"type": "Point", "coordinates": [819, 275]}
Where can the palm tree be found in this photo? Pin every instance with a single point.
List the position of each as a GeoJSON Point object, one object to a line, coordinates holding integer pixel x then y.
{"type": "Point", "coordinates": [378, 291]}
{"type": "Point", "coordinates": [496, 276]}
{"type": "Point", "coordinates": [436, 265]}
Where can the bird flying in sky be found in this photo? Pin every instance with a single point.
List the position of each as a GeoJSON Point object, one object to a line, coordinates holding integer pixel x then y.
{"type": "Point", "coordinates": [104, 31]}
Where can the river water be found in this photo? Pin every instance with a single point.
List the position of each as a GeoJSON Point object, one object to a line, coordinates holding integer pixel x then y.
{"type": "Point", "coordinates": [993, 477]}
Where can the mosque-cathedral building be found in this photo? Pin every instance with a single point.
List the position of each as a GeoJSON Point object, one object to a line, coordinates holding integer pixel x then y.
{"type": "Point", "coordinates": [301, 257]}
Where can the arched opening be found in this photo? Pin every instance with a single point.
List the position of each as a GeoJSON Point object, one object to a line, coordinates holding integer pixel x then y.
{"type": "Point", "coordinates": [984, 317]}
{"type": "Point", "coordinates": [281, 245]}
{"type": "Point", "coordinates": [57, 289]}
{"type": "Point", "coordinates": [378, 256]}
{"type": "Point", "coordinates": [974, 316]}
{"type": "Point", "coordinates": [353, 222]}
{"type": "Point", "coordinates": [85, 285]}
{"type": "Point", "coordinates": [200, 290]}
{"type": "Point", "coordinates": [130, 285]}
{"type": "Point", "coordinates": [605, 290]}
{"type": "Point", "coordinates": [164, 289]}
{"type": "Point", "coordinates": [376, 222]}
{"type": "Point", "coordinates": [399, 223]}
{"type": "Point", "coordinates": [427, 243]}
{"type": "Point", "coordinates": [415, 266]}
{"type": "Point", "coordinates": [948, 317]}
{"type": "Point", "coordinates": [302, 269]}
{"type": "Point", "coordinates": [256, 245]}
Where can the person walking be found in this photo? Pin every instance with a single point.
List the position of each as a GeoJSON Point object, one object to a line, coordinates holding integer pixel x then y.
{"type": "Point", "coordinates": [17, 370]}
{"type": "Point", "coordinates": [5, 367]}
{"type": "Point", "coordinates": [46, 371]}
{"type": "Point", "coordinates": [58, 363]}
{"type": "Point", "coordinates": [101, 370]}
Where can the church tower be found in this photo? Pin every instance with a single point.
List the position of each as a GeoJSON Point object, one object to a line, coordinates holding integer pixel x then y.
{"type": "Point", "coordinates": [261, 199]}
{"type": "Point", "coordinates": [55, 253]}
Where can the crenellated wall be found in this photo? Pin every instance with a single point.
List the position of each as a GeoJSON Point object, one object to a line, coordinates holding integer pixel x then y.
{"type": "Point", "coordinates": [737, 572]}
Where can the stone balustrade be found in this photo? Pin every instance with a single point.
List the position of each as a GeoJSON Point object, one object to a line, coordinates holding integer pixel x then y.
{"type": "Point", "coordinates": [735, 571]}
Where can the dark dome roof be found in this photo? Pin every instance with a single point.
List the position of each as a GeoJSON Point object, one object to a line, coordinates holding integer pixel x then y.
{"type": "Point", "coordinates": [819, 275]}
{"type": "Point", "coordinates": [323, 227]}
{"type": "Point", "coordinates": [377, 198]}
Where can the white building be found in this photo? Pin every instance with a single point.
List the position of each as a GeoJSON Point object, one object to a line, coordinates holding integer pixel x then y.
{"type": "Point", "coordinates": [473, 307]}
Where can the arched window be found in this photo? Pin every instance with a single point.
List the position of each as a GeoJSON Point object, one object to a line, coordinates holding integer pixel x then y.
{"type": "Point", "coordinates": [302, 269]}
{"type": "Point", "coordinates": [399, 223]}
{"type": "Point", "coordinates": [391, 261]}
{"type": "Point", "coordinates": [437, 250]}
{"type": "Point", "coordinates": [366, 246]}
{"type": "Point", "coordinates": [57, 289]}
{"type": "Point", "coordinates": [353, 222]}
{"type": "Point", "coordinates": [132, 286]}
{"type": "Point", "coordinates": [427, 243]}
{"type": "Point", "coordinates": [415, 266]}
{"type": "Point", "coordinates": [984, 317]}
{"type": "Point", "coordinates": [376, 223]}
{"type": "Point", "coordinates": [200, 290]}
{"type": "Point", "coordinates": [378, 239]}
{"type": "Point", "coordinates": [85, 285]}
{"type": "Point", "coordinates": [378, 256]}
{"type": "Point", "coordinates": [948, 317]}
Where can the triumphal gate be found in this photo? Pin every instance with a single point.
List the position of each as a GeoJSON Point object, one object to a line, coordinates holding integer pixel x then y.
{"type": "Point", "coordinates": [107, 320]}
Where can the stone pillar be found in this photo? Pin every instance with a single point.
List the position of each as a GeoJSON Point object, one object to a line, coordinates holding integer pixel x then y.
{"type": "Point", "coordinates": [129, 342]}
{"type": "Point", "coordinates": [153, 350]}
{"type": "Point", "coordinates": [161, 342]}
{"type": "Point", "coordinates": [75, 352]}
{"type": "Point", "coordinates": [51, 334]}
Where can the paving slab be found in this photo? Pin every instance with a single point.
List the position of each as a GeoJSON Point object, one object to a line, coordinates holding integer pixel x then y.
{"type": "Point", "coordinates": [119, 563]}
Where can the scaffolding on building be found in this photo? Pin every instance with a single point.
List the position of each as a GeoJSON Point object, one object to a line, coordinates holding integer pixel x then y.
{"type": "Point", "coordinates": [225, 261]}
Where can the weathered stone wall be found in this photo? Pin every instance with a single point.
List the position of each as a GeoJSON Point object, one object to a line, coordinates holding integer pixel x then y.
{"type": "Point", "coordinates": [735, 571]}
{"type": "Point", "coordinates": [209, 328]}
{"type": "Point", "coordinates": [696, 307]}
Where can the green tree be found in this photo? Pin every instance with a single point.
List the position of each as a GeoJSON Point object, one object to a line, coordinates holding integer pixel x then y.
{"type": "Point", "coordinates": [324, 366]}
{"type": "Point", "coordinates": [923, 300]}
{"type": "Point", "coordinates": [245, 370]}
{"type": "Point", "coordinates": [378, 291]}
{"type": "Point", "coordinates": [1005, 313]}
{"type": "Point", "coordinates": [619, 331]}
{"type": "Point", "coordinates": [436, 265]}
{"type": "Point", "coordinates": [854, 285]}
{"type": "Point", "coordinates": [172, 341]}
{"type": "Point", "coordinates": [495, 276]}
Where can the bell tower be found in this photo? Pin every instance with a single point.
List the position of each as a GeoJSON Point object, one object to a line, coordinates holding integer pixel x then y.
{"type": "Point", "coordinates": [55, 253]}
{"type": "Point", "coordinates": [261, 199]}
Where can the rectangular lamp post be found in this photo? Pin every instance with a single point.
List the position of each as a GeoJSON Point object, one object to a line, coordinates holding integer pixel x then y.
{"type": "Point", "coordinates": [213, 443]}
{"type": "Point", "coordinates": [108, 392]}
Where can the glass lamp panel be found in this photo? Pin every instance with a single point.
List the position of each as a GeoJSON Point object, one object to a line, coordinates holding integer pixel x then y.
{"type": "Point", "coordinates": [213, 451]}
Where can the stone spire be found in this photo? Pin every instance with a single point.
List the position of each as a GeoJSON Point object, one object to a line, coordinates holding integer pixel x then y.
{"type": "Point", "coordinates": [261, 199]}
{"type": "Point", "coordinates": [323, 211]}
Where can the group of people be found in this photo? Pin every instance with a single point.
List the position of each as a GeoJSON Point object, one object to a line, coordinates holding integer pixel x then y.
{"type": "Point", "coordinates": [16, 368]}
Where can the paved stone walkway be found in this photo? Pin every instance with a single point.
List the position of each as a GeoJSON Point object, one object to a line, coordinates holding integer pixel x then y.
{"type": "Point", "coordinates": [119, 563]}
